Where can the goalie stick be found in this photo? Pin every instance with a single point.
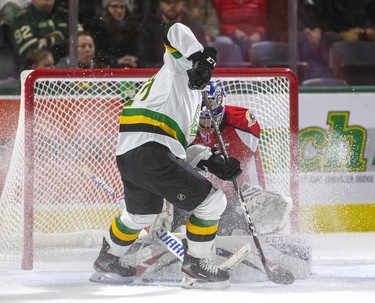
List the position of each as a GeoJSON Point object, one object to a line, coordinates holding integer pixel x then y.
{"type": "Point", "coordinates": [168, 239]}
{"type": "Point", "coordinates": [277, 275]}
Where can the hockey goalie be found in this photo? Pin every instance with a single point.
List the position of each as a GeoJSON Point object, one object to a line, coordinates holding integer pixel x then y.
{"type": "Point", "coordinates": [240, 131]}
{"type": "Point", "coordinates": [269, 211]}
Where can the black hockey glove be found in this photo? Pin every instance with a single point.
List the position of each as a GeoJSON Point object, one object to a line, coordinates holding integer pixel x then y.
{"type": "Point", "coordinates": [203, 64]}
{"type": "Point", "coordinates": [216, 164]}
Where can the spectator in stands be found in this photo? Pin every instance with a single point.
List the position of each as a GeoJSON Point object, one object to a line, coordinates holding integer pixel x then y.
{"type": "Point", "coordinates": [205, 12]}
{"type": "Point", "coordinates": [243, 21]}
{"type": "Point", "coordinates": [39, 58]}
{"type": "Point", "coordinates": [370, 11]}
{"type": "Point", "coordinates": [88, 11]}
{"type": "Point", "coordinates": [41, 25]}
{"type": "Point", "coordinates": [9, 60]}
{"type": "Point", "coordinates": [115, 35]}
{"type": "Point", "coordinates": [85, 53]}
{"type": "Point", "coordinates": [348, 18]}
{"type": "Point", "coordinates": [8, 10]}
{"type": "Point", "coordinates": [277, 20]}
{"type": "Point", "coordinates": [314, 39]}
{"type": "Point", "coordinates": [143, 9]}
{"type": "Point", "coordinates": [150, 40]}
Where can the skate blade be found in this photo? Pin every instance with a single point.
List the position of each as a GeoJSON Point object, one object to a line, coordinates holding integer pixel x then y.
{"type": "Point", "coordinates": [191, 283]}
{"type": "Point", "coordinates": [110, 278]}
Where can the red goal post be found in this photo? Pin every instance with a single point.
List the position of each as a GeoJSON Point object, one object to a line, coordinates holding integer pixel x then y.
{"type": "Point", "coordinates": [69, 120]}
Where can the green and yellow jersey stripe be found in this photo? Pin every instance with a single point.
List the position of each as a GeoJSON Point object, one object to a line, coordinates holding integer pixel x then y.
{"type": "Point", "coordinates": [145, 120]}
{"type": "Point", "coordinates": [174, 52]}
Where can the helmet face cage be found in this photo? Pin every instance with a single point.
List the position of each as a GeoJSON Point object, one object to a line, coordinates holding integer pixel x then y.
{"type": "Point", "coordinates": [215, 96]}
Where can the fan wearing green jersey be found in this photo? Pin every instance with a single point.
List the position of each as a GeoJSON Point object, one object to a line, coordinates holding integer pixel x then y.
{"type": "Point", "coordinates": [41, 25]}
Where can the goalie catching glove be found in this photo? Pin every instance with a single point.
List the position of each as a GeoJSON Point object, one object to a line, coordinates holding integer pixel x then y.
{"type": "Point", "coordinates": [221, 168]}
{"type": "Point", "coordinates": [203, 64]}
{"type": "Point", "coordinates": [270, 211]}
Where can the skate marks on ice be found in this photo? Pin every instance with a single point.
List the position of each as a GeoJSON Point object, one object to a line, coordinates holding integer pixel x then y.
{"type": "Point", "coordinates": [343, 270]}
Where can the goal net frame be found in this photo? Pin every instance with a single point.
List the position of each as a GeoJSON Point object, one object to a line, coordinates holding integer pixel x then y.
{"type": "Point", "coordinates": [31, 79]}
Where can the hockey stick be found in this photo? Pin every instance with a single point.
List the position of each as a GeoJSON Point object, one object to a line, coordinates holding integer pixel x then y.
{"type": "Point", "coordinates": [278, 275]}
{"type": "Point", "coordinates": [89, 173]}
{"type": "Point", "coordinates": [168, 239]}
{"type": "Point", "coordinates": [176, 247]}
{"type": "Point", "coordinates": [227, 254]}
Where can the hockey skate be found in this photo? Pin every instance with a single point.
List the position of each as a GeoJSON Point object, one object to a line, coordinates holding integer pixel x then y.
{"type": "Point", "coordinates": [110, 270]}
{"type": "Point", "coordinates": [199, 273]}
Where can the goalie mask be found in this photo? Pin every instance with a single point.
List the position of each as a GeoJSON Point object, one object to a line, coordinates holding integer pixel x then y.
{"type": "Point", "coordinates": [215, 96]}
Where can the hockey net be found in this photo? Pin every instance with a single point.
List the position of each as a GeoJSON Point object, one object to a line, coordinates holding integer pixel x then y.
{"type": "Point", "coordinates": [69, 120]}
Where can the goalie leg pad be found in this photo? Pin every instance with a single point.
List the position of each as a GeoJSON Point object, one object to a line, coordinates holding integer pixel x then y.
{"type": "Point", "coordinates": [164, 219]}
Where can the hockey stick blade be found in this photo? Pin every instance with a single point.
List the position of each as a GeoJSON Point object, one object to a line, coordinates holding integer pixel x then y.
{"type": "Point", "coordinates": [236, 258]}
{"type": "Point", "coordinates": [280, 276]}
{"type": "Point", "coordinates": [227, 254]}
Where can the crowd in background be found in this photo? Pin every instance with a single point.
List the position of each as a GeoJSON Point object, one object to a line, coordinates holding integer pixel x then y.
{"type": "Point", "coordinates": [128, 33]}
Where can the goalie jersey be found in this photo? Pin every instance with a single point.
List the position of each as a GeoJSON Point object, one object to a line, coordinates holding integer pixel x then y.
{"type": "Point", "coordinates": [154, 113]}
{"type": "Point", "coordinates": [241, 132]}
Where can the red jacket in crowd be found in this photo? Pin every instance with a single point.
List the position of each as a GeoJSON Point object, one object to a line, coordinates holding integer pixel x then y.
{"type": "Point", "coordinates": [248, 16]}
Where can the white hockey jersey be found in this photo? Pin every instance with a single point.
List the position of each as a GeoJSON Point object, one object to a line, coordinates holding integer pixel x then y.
{"type": "Point", "coordinates": [165, 110]}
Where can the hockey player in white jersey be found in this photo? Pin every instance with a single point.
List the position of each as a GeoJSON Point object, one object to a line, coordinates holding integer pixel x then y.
{"type": "Point", "coordinates": [156, 129]}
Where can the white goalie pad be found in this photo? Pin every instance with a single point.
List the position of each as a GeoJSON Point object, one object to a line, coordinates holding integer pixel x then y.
{"type": "Point", "coordinates": [156, 264]}
{"type": "Point", "coordinates": [269, 211]}
{"type": "Point", "coordinates": [164, 219]}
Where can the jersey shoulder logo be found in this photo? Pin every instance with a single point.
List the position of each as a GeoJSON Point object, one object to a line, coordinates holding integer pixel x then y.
{"type": "Point", "coordinates": [250, 118]}
{"type": "Point", "coordinates": [194, 127]}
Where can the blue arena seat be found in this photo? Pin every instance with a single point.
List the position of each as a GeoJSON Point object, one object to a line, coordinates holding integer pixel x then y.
{"type": "Point", "coordinates": [269, 54]}
{"type": "Point", "coordinates": [228, 53]}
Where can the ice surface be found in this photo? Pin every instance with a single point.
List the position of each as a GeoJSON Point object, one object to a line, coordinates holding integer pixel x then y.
{"type": "Point", "coordinates": [343, 270]}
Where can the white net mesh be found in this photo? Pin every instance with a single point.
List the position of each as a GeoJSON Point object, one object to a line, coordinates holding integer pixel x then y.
{"type": "Point", "coordinates": [75, 124]}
